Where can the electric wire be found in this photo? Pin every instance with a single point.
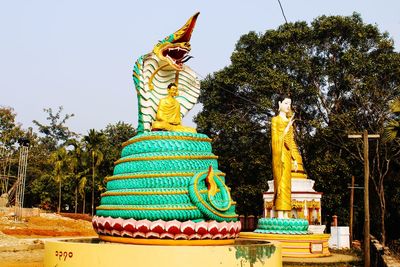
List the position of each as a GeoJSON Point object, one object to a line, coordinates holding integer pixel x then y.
{"type": "Point", "coordinates": [238, 96]}
{"type": "Point", "coordinates": [263, 108]}
{"type": "Point", "coordinates": [241, 97]}
{"type": "Point", "coordinates": [283, 12]}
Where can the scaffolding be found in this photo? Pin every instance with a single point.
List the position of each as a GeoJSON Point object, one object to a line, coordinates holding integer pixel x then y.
{"type": "Point", "coordinates": [20, 183]}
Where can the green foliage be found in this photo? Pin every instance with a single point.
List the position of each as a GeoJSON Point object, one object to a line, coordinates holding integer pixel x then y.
{"type": "Point", "coordinates": [104, 148]}
{"type": "Point", "coordinates": [340, 73]}
{"type": "Point", "coordinates": [79, 168]}
{"type": "Point", "coordinates": [44, 191]}
{"type": "Point", "coordinates": [392, 129]}
{"type": "Point", "coordinates": [56, 133]}
{"type": "Point", "coordinates": [10, 131]}
{"type": "Point", "coordinates": [61, 166]}
{"type": "Point", "coordinates": [93, 142]}
{"type": "Point", "coordinates": [59, 160]}
{"type": "Point", "coordinates": [115, 135]}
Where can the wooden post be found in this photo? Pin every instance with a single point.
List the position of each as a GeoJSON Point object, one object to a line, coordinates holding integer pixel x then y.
{"type": "Point", "coordinates": [351, 209]}
{"type": "Point", "coordinates": [366, 202]}
{"type": "Point", "coordinates": [365, 136]}
{"type": "Point", "coordinates": [334, 223]}
{"type": "Point", "coordinates": [92, 183]}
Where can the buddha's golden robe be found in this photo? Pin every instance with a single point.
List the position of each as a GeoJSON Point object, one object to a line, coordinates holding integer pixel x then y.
{"type": "Point", "coordinates": [284, 153]}
{"type": "Point", "coordinates": [168, 116]}
{"type": "Point", "coordinates": [169, 111]}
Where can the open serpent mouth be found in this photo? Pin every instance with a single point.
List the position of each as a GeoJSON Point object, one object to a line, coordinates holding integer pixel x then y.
{"type": "Point", "coordinates": [177, 55]}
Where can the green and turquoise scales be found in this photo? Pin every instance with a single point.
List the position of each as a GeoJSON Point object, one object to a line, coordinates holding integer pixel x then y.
{"type": "Point", "coordinates": [161, 176]}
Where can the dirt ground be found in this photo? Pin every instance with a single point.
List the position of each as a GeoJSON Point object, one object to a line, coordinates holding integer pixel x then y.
{"type": "Point", "coordinates": [28, 258]}
{"type": "Point", "coordinates": [46, 225]}
{"type": "Point", "coordinates": [21, 243]}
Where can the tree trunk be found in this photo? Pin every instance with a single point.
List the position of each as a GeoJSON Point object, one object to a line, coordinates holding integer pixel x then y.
{"type": "Point", "coordinates": [84, 203]}
{"type": "Point", "coordinates": [383, 226]}
{"type": "Point", "coordinates": [383, 212]}
{"type": "Point", "coordinates": [76, 199]}
{"type": "Point", "coordinates": [59, 197]}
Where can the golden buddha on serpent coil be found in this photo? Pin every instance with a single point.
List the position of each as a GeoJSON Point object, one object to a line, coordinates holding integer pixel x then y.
{"type": "Point", "coordinates": [168, 117]}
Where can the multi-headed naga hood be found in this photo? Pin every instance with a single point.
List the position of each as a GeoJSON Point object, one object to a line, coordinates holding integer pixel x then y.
{"type": "Point", "coordinates": [165, 64]}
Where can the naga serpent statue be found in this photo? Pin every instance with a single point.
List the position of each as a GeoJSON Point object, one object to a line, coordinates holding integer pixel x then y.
{"type": "Point", "coordinates": [167, 185]}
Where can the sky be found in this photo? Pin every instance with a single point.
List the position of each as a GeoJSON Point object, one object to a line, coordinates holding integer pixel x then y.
{"type": "Point", "coordinates": [79, 53]}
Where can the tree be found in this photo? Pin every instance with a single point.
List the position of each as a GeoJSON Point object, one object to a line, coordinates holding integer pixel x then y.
{"type": "Point", "coordinates": [94, 141]}
{"type": "Point", "coordinates": [43, 191]}
{"type": "Point", "coordinates": [56, 133]}
{"type": "Point", "coordinates": [115, 135]}
{"type": "Point", "coordinates": [382, 162]}
{"type": "Point", "coordinates": [104, 148]}
{"type": "Point", "coordinates": [78, 167]}
{"type": "Point", "coordinates": [10, 130]}
{"type": "Point", "coordinates": [82, 192]}
{"type": "Point", "coordinates": [392, 129]}
{"type": "Point", "coordinates": [59, 160]}
{"type": "Point", "coordinates": [340, 74]}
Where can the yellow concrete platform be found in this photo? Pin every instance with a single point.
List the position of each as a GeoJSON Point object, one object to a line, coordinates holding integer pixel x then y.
{"type": "Point", "coordinates": [334, 259]}
{"type": "Point", "coordinates": [94, 252]}
{"type": "Point", "coordinates": [302, 246]}
{"type": "Point", "coordinates": [166, 242]}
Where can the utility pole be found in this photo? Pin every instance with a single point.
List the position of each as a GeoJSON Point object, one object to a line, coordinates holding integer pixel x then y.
{"type": "Point", "coordinates": [92, 183]}
{"type": "Point", "coordinates": [351, 209]}
{"type": "Point", "coordinates": [352, 187]}
{"type": "Point", "coordinates": [365, 136]}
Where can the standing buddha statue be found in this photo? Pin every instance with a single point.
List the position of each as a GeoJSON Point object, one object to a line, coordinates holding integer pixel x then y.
{"type": "Point", "coordinates": [286, 159]}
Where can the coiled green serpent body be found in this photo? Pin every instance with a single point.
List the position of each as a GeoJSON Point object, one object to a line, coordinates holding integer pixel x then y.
{"type": "Point", "coordinates": [160, 176]}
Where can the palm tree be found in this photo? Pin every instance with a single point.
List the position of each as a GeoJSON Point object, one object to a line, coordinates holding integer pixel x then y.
{"type": "Point", "coordinates": [78, 163]}
{"type": "Point", "coordinates": [59, 159]}
{"type": "Point", "coordinates": [93, 142]}
{"type": "Point", "coordinates": [392, 129]}
{"type": "Point", "coordinates": [82, 192]}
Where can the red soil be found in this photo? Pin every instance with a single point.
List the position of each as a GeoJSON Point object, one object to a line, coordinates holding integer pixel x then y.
{"type": "Point", "coordinates": [48, 225]}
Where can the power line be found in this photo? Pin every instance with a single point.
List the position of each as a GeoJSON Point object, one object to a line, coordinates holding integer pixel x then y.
{"type": "Point", "coordinates": [283, 12]}
{"type": "Point", "coordinates": [261, 106]}
{"type": "Point", "coordinates": [238, 96]}
{"type": "Point", "coordinates": [243, 98]}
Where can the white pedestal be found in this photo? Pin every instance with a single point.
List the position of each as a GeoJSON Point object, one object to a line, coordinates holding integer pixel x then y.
{"type": "Point", "coordinates": [298, 185]}
{"type": "Point", "coordinates": [306, 202]}
{"type": "Point", "coordinates": [316, 229]}
{"type": "Point", "coordinates": [340, 237]}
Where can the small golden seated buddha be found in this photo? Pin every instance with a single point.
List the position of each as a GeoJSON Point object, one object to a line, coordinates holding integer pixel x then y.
{"type": "Point", "coordinates": [168, 116]}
